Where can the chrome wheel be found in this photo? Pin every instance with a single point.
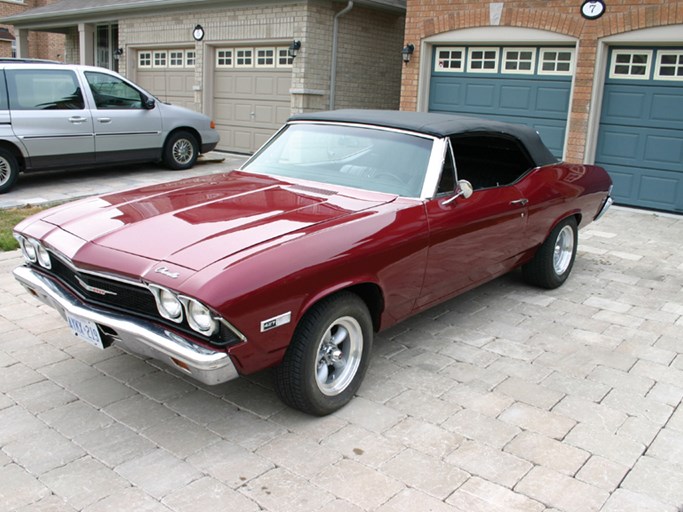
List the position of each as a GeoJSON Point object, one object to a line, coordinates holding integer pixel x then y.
{"type": "Point", "coordinates": [339, 356]}
{"type": "Point", "coordinates": [563, 254]}
{"type": "Point", "coordinates": [5, 171]}
{"type": "Point", "coordinates": [183, 151]}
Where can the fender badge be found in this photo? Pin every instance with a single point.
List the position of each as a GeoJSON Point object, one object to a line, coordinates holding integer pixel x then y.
{"type": "Point", "coordinates": [165, 271]}
{"type": "Point", "coordinates": [276, 321]}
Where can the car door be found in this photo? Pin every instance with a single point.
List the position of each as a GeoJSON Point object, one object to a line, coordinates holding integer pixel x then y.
{"type": "Point", "coordinates": [471, 239]}
{"type": "Point", "coordinates": [49, 116]}
{"type": "Point", "coordinates": [126, 128]}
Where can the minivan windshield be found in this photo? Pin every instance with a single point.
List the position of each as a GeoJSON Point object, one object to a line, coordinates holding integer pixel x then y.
{"type": "Point", "coordinates": [364, 157]}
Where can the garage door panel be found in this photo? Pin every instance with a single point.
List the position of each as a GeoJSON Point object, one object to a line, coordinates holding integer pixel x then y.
{"type": "Point", "coordinates": [480, 95]}
{"type": "Point", "coordinates": [250, 105]}
{"type": "Point", "coordinates": [667, 108]}
{"type": "Point", "coordinates": [617, 144]}
{"type": "Point", "coordinates": [664, 151]}
{"type": "Point", "coordinates": [515, 97]}
{"type": "Point", "coordinates": [552, 101]}
{"type": "Point", "coordinates": [624, 106]}
{"type": "Point", "coordinates": [659, 189]}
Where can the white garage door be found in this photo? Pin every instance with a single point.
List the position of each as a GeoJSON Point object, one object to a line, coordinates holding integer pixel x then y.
{"type": "Point", "coordinates": [168, 74]}
{"type": "Point", "coordinates": [251, 96]}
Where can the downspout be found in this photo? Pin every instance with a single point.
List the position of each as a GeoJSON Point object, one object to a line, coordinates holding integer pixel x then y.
{"type": "Point", "coordinates": [335, 32]}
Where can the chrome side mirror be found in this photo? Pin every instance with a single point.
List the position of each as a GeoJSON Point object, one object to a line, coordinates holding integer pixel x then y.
{"type": "Point", "coordinates": [464, 189]}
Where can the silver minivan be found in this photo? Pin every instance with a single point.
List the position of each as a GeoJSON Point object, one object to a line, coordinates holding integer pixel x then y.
{"type": "Point", "coordinates": [56, 116]}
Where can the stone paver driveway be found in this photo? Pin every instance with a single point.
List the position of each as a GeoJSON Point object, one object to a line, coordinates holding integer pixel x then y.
{"type": "Point", "coordinates": [508, 398]}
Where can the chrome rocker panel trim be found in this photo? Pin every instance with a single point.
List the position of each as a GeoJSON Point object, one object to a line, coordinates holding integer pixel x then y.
{"type": "Point", "coordinates": [135, 335]}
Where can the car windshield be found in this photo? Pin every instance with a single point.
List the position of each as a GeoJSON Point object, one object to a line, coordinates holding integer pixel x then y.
{"type": "Point", "coordinates": [363, 157]}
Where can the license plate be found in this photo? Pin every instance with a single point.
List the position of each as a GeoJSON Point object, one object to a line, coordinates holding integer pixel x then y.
{"type": "Point", "coordinates": [86, 330]}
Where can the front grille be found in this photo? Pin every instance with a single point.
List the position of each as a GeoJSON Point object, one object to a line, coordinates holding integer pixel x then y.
{"type": "Point", "coordinates": [102, 291]}
{"type": "Point", "coordinates": [128, 298]}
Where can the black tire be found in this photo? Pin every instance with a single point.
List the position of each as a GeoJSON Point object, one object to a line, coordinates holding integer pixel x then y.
{"type": "Point", "coordinates": [336, 330]}
{"type": "Point", "coordinates": [181, 150]}
{"type": "Point", "coordinates": [554, 259]}
{"type": "Point", "coordinates": [9, 170]}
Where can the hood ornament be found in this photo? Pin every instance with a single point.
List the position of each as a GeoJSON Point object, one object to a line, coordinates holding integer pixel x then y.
{"type": "Point", "coordinates": [167, 272]}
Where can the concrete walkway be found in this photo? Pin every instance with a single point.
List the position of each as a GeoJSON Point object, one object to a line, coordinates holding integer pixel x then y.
{"type": "Point", "coordinates": [508, 398]}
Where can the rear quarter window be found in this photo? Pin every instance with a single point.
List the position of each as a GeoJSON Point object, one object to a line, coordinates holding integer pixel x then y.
{"type": "Point", "coordinates": [43, 89]}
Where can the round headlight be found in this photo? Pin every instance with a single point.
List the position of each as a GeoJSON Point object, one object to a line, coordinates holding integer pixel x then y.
{"type": "Point", "coordinates": [28, 249]}
{"type": "Point", "coordinates": [200, 318]}
{"type": "Point", "coordinates": [169, 305]}
{"type": "Point", "coordinates": [43, 256]}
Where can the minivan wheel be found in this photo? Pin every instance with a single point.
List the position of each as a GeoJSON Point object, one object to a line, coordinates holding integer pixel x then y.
{"type": "Point", "coordinates": [181, 150]}
{"type": "Point", "coordinates": [9, 170]}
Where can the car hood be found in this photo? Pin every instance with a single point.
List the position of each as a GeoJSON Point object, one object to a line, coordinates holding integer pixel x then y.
{"type": "Point", "coordinates": [196, 222]}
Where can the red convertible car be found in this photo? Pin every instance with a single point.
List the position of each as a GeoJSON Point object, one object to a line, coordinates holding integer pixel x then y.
{"type": "Point", "coordinates": [342, 225]}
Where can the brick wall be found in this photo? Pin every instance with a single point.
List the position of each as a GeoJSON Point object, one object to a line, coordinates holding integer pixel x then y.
{"type": "Point", "coordinates": [428, 18]}
{"type": "Point", "coordinates": [42, 45]}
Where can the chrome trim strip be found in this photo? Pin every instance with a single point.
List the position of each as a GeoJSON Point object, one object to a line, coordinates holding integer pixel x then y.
{"type": "Point", "coordinates": [66, 261]}
{"type": "Point", "coordinates": [139, 336]}
{"type": "Point", "coordinates": [605, 207]}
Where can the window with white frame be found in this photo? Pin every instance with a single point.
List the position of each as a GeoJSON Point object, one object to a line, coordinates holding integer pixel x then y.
{"type": "Point", "coordinates": [244, 57]}
{"type": "Point", "coordinates": [669, 65]}
{"type": "Point", "coordinates": [482, 60]}
{"type": "Point", "coordinates": [190, 58]}
{"type": "Point", "coordinates": [631, 64]}
{"type": "Point", "coordinates": [224, 58]}
{"type": "Point", "coordinates": [519, 60]}
{"type": "Point", "coordinates": [160, 59]}
{"type": "Point", "coordinates": [176, 58]}
{"type": "Point", "coordinates": [556, 61]}
{"type": "Point", "coordinates": [265, 57]}
{"type": "Point", "coordinates": [283, 58]}
{"type": "Point", "coordinates": [450, 59]}
{"type": "Point", "coordinates": [144, 59]}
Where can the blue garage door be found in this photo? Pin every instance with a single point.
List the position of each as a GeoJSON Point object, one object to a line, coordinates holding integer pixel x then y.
{"type": "Point", "coordinates": [641, 127]}
{"type": "Point", "coordinates": [529, 85]}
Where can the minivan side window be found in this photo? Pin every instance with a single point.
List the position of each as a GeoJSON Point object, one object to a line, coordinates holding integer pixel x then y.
{"type": "Point", "coordinates": [111, 92]}
{"type": "Point", "coordinates": [4, 103]}
{"type": "Point", "coordinates": [44, 89]}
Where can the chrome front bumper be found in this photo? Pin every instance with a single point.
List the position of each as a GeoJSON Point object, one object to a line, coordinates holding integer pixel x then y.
{"type": "Point", "coordinates": [605, 206]}
{"type": "Point", "coordinates": [138, 336]}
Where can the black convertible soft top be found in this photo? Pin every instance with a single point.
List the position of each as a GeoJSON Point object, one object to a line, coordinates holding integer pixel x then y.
{"type": "Point", "coordinates": [438, 125]}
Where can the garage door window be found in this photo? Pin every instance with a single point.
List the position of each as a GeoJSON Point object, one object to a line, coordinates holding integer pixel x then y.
{"type": "Point", "coordinates": [631, 64]}
{"type": "Point", "coordinates": [190, 58]}
{"type": "Point", "coordinates": [224, 58]}
{"type": "Point", "coordinates": [283, 58]}
{"type": "Point", "coordinates": [244, 57]}
{"type": "Point", "coordinates": [145, 59]}
{"type": "Point", "coordinates": [519, 60]}
{"type": "Point", "coordinates": [450, 59]}
{"type": "Point", "coordinates": [160, 59]}
{"type": "Point", "coordinates": [265, 57]}
{"type": "Point", "coordinates": [176, 59]}
{"type": "Point", "coordinates": [669, 65]}
{"type": "Point", "coordinates": [556, 62]}
{"type": "Point", "coordinates": [483, 60]}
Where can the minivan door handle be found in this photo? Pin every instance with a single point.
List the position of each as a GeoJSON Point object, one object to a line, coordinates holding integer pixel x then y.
{"type": "Point", "coordinates": [104, 120]}
{"type": "Point", "coordinates": [77, 119]}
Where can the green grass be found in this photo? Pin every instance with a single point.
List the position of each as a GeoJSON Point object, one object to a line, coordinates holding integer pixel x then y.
{"type": "Point", "coordinates": [8, 219]}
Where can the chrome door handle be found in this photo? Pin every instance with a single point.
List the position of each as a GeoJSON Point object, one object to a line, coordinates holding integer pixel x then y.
{"type": "Point", "coordinates": [521, 202]}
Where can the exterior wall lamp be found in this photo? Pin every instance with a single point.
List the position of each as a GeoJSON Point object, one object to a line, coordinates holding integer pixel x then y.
{"type": "Point", "coordinates": [294, 48]}
{"type": "Point", "coordinates": [407, 52]}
